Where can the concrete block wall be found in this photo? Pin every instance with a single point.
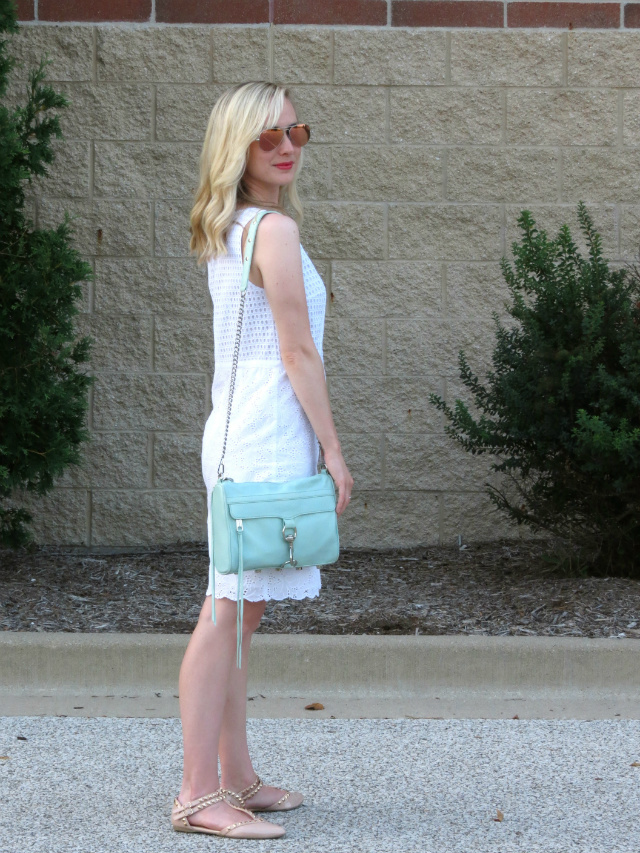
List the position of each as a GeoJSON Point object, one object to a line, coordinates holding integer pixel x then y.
{"type": "Point", "coordinates": [433, 125]}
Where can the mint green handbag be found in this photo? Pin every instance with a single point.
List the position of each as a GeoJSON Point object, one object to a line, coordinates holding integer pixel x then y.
{"type": "Point", "coordinates": [266, 525]}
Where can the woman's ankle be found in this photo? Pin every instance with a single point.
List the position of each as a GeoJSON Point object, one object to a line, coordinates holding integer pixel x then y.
{"type": "Point", "coordinates": [238, 781]}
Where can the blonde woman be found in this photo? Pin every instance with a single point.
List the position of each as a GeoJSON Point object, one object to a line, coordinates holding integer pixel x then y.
{"type": "Point", "coordinates": [280, 416]}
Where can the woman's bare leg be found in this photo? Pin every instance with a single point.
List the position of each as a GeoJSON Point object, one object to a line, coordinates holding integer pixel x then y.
{"type": "Point", "coordinates": [205, 677]}
{"type": "Point", "coordinates": [236, 768]}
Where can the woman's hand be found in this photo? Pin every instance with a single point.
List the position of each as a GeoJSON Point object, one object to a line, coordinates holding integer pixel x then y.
{"type": "Point", "coordinates": [337, 467]}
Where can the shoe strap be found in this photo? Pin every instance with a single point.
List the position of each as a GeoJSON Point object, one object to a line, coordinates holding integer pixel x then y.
{"type": "Point", "coordinates": [181, 810]}
{"type": "Point", "coordinates": [246, 793]}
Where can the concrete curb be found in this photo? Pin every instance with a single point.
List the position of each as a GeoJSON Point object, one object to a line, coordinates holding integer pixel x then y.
{"type": "Point", "coordinates": [363, 665]}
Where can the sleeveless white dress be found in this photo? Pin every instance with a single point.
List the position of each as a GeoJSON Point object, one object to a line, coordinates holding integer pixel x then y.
{"type": "Point", "coordinates": [270, 437]}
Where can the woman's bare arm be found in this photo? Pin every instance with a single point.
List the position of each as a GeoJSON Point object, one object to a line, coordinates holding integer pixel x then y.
{"type": "Point", "coordinates": [279, 263]}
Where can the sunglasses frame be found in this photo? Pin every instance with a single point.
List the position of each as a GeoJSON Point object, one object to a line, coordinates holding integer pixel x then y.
{"type": "Point", "coordinates": [287, 130]}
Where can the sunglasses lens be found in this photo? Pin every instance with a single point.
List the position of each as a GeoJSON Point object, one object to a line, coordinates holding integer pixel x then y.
{"type": "Point", "coordinates": [300, 134]}
{"type": "Point", "coordinates": [270, 139]}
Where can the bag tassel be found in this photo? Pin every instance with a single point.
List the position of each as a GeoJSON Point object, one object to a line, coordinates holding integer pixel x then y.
{"type": "Point", "coordinates": [239, 595]}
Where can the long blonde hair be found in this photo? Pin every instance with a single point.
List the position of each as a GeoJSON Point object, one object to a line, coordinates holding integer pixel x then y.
{"type": "Point", "coordinates": [237, 118]}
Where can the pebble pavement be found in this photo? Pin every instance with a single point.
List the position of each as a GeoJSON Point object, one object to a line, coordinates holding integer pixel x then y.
{"type": "Point", "coordinates": [105, 785]}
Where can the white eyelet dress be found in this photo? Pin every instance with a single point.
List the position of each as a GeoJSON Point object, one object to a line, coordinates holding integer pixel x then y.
{"type": "Point", "coordinates": [270, 437]}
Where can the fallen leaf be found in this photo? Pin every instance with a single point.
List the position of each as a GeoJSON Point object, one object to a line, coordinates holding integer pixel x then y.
{"type": "Point", "coordinates": [314, 706]}
{"type": "Point", "coordinates": [515, 717]}
{"type": "Point", "coordinates": [4, 757]}
{"type": "Point", "coordinates": [500, 816]}
{"type": "Point", "coordinates": [635, 764]}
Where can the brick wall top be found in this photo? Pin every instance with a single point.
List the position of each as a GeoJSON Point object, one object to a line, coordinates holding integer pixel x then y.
{"type": "Point", "coordinates": [532, 14]}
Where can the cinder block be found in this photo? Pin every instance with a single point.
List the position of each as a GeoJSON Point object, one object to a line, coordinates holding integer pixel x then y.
{"type": "Point", "coordinates": [375, 404]}
{"type": "Point", "coordinates": [363, 454]}
{"type": "Point", "coordinates": [107, 111]}
{"type": "Point", "coordinates": [314, 173]}
{"type": "Point", "coordinates": [389, 57]}
{"type": "Point", "coordinates": [502, 174]}
{"type": "Point", "coordinates": [430, 344]}
{"type": "Point", "coordinates": [69, 47]}
{"type": "Point", "coordinates": [177, 461]}
{"type": "Point", "coordinates": [102, 228]}
{"type": "Point", "coordinates": [385, 288]}
{"type": "Point", "coordinates": [352, 346]}
{"type": "Point", "coordinates": [120, 341]}
{"type": "Point", "coordinates": [68, 174]}
{"type": "Point", "coordinates": [601, 175]}
{"type": "Point", "coordinates": [175, 403]}
{"type": "Point", "coordinates": [154, 54]}
{"type": "Point", "coordinates": [549, 117]}
{"type": "Point", "coordinates": [380, 173]}
{"type": "Point", "coordinates": [240, 54]}
{"type": "Point", "coordinates": [182, 111]}
{"type": "Point", "coordinates": [59, 517]}
{"type": "Point", "coordinates": [146, 170]}
{"type": "Point", "coordinates": [446, 116]}
{"type": "Point", "coordinates": [112, 460]}
{"type": "Point", "coordinates": [342, 113]}
{"type": "Point", "coordinates": [333, 230]}
{"type": "Point", "coordinates": [550, 218]}
{"type": "Point", "coordinates": [172, 226]}
{"type": "Point", "coordinates": [432, 461]}
{"type": "Point", "coordinates": [506, 58]}
{"type": "Point", "coordinates": [444, 231]}
{"type": "Point", "coordinates": [152, 286]}
{"type": "Point", "coordinates": [472, 516]}
{"type": "Point", "coordinates": [183, 344]}
{"type": "Point", "coordinates": [137, 517]}
{"type": "Point", "coordinates": [603, 59]}
{"type": "Point", "coordinates": [301, 54]}
{"type": "Point", "coordinates": [631, 118]}
{"type": "Point", "coordinates": [385, 519]}
{"type": "Point", "coordinates": [630, 232]}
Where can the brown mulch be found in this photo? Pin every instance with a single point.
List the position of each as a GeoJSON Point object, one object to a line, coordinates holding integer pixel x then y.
{"type": "Point", "coordinates": [500, 588]}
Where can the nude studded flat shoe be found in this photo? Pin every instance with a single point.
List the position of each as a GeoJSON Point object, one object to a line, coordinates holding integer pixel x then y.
{"type": "Point", "coordinates": [290, 800]}
{"type": "Point", "coordinates": [255, 827]}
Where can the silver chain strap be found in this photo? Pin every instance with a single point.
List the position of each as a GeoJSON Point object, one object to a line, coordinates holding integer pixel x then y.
{"type": "Point", "coordinates": [232, 380]}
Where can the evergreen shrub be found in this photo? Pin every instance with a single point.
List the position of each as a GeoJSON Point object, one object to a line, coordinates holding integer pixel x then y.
{"type": "Point", "coordinates": [43, 387]}
{"type": "Point", "coordinates": [561, 406]}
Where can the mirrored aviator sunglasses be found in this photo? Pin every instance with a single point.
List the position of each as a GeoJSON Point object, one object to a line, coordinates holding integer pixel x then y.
{"type": "Point", "coordinates": [272, 137]}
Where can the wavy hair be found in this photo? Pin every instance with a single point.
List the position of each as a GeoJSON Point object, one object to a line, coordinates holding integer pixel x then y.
{"type": "Point", "coordinates": [239, 115]}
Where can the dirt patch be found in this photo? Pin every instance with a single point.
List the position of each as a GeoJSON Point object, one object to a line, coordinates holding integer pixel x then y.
{"type": "Point", "coordinates": [500, 587]}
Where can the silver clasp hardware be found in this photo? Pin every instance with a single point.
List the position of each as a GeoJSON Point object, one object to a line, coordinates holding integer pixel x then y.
{"type": "Point", "coordinates": [289, 537]}
{"type": "Point", "coordinates": [239, 527]}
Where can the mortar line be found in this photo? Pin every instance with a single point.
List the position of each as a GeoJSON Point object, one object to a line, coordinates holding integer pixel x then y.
{"type": "Point", "coordinates": [383, 461]}
{"type": "Point", "coordinates": [36, 11]}
{"type": "Point", "coordinates": [152, 18]}
{"type": "Point", "coordinates": [388, 13]}
{"type": "Point", "coordinates": [445, 173]}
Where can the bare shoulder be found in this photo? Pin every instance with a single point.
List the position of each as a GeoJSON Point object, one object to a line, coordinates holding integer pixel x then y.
{"type": "Point", "coordinates": [279, 227]}
{"type": "Point", "coordinates": [277, 241]}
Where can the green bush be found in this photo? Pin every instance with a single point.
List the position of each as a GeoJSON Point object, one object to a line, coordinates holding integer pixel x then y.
{"type": "Point", "coordinates": [43, 389]}
{"type": "Point", "coordinates": [561, 406]}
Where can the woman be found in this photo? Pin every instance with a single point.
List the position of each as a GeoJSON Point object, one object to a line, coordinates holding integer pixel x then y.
{"type": "Point", "coordinates": [280, 415]}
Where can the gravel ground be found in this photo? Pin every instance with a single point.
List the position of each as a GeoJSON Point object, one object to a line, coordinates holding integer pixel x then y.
{"type": "Point", "coordinates": [371, 786]}
{"type": "Point", "coordinates": [500, 587]}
